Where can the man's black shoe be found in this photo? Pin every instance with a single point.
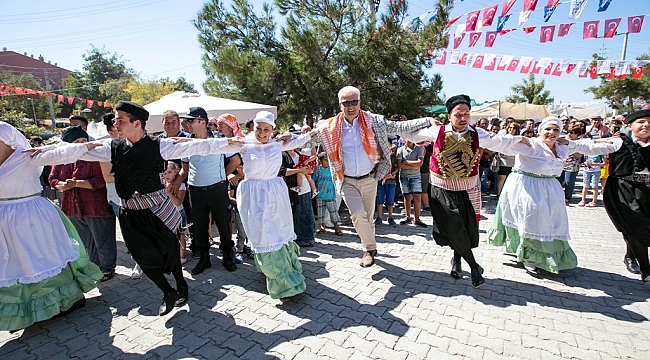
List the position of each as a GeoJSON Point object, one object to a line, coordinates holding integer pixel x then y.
{"type": "Point", "coordinates": [229, 260]}
{"type": "Point", "coordinates": [183, 295]}
{"type": "Point", "coordinates": [477, 277]}
{"type": "Point", "coordinates": [169, 299]}
{"type": "Point", "coordinates": [204, 263]}
{"type": "Point", "coordinates": [632, 265]}
{"type": "Point", "coordinates": [456, 270]}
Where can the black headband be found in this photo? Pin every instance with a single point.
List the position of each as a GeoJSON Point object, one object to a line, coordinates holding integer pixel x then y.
{"type": "Point", "coordinates": [637, 115]}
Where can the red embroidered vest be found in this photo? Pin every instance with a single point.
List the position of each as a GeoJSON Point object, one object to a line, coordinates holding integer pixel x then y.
{"type": "Point", "coordinates": [455, 159]}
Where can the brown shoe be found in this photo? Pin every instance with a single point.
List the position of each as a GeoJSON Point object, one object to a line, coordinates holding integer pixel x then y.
{"type": "Point", "coordinates": [337, 230]}
{"type": "Point", "coordinates": [368, 258]}
{"type": "Point", "coordinates": [321, 229]}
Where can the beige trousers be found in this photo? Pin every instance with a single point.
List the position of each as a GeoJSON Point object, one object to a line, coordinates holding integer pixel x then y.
{"type": "Point", "coordinates": [360, 197]}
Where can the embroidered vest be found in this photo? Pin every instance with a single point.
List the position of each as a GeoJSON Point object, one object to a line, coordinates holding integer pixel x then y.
{"type": "Point", "coordinates": [137, 167]}
{"type": "Point", "coordinates": [454, 162]}
{"type": "Point", "coordinates": [630, 158]}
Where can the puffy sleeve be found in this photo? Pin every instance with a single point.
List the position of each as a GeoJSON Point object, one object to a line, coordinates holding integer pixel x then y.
{"type": "Point", "coordinates": [296, 141]}
{"type": "Point", "coordinates": [427, 134]}
{"type": "Point", "coordinates": [63, 153]}
{"type": "Point", "coordinates": [589, 147]}
{"type": "Point", "coordinates": [171, 150]}
{"type": "Point", "coordinates": [503, 143]}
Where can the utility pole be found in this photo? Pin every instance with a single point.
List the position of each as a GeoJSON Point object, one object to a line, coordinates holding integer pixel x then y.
{"type": "Point", "coordinates": [49, 98]}
{"type": "Point", "coordinates": [624, 51]}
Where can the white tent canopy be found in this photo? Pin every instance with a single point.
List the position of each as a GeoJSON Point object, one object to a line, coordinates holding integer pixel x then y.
{"type": "Point", "coordinates": [180, 102]}
{"type": "Point", "coordinates": [505, 109]}
{"type": "Point", "coordinates": [582, 113]}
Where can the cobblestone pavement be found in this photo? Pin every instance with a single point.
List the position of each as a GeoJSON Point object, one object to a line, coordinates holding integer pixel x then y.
{"type": "Point", "coordinates": [404, 307]}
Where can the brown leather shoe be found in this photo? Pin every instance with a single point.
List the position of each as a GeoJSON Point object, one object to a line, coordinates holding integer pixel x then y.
{"type": "Point", "coordinates": [368, 258]}
{"type": "Point", "coordinates": [337, 230]}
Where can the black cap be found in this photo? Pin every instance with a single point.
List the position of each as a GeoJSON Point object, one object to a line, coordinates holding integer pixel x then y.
{"type": "Point", "coordinates": [196, 113]}
{"type": "Point", "coordinates": [637, 115]}
{"type": "Point", "coordinates": [134, 109]}
{"type": "Point", "coordinates": [457, 100]}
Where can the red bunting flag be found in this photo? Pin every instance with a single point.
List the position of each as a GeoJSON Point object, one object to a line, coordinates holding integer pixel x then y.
{"type": "Point", "coordinates": [610, 27]}
{"type": "Point", "coordinates": [638, 72]}
{"type": "Point", "coordinates": [536, 69]}
{"type": "Point", "coordinates": [458, 40]}
{"type": "Point", "coordinates": [593, 71]}
{"type": "Point", "coordinates": [490, 36]}
{"type": "Point", "coordinates": [89, 103]}
{"type": "Point", "coordinates": [513, 65]}
{"type": "Point", "coordinates": [525, 69]}
{"type": "Point", "coordinates": [548, 69]}
{"type": "Point", "coordinates": [505, 9]}
{"type": "Point", "coordinates": [59, 98]}
{"type": "Point", "coordinates": [107, 104]}
{"type": "Point", "coordinates": [474, 37]}
{"type": "Point", "coordinates": [570, 67]}
{"type": "Point", "coordinates": [634, 24]}
{"type": "Point", "coordinates": [492, 64]}
{"type": "Point", "coordinates": [557, 70]}
{"type": "Point", "coordinates": [590, 29]}
{"type": "Point", "coordinates": [441, 58]}
{"type": "Point", "coordinates": [552, 3]}
{"type": "Point", "coordinates": [502, 66]}
{"type": "Point", "coordinates": [453, 20]}
{"type": "Point", "coordinates": [40, 93]}
{"type": "Point", "coordinates": [505, 31]}
{"type": "Point", "coordinates": [488, 15]}
{"type": "Point", "coordinates": [463, 60]}
{"type": "Point", "coordinates": [70, 99]}
{"type": "Point", "coordinates": [18, 90]}
{"type": "Point", "coordinates": [563, 30]}
{"type": "Point", "coordinates": [530, 5]}
{"type": "Point", "coordinates": [472, 19]}
{"type": "Point", "coordinates": [546, 34]}
{"type": "Point", "coordinates": [478, 62]}
{"type": "Point", "coordinates": [529, 29]}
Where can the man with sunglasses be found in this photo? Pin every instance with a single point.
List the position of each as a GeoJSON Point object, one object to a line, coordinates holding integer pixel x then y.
{"type": "Point", "coordinates": [358, 149]}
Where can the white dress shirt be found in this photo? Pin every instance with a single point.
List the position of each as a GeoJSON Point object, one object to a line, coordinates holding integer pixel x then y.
{"type": "Point", "coordinates": [355, 160]}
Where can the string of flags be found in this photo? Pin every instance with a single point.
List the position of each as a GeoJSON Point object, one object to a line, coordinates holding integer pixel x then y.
{"type": "Point", "coordinates": [6, 90]}
{"type": "Point", "coordinates": [546, 66]}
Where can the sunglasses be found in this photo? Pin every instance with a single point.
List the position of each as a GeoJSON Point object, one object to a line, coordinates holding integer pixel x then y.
{"type": "Point", "coordinates": [350, 103]}
{"type": "Point", "coordinates": [188, 120]}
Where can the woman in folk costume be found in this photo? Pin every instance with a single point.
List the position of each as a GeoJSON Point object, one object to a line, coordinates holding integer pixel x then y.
{"type": "Point", "coordinates": [455, 191]}
{"type": "Point", "coordinates": [531, 218]}
{"type": "Point", "coordinates": [627, 194]}
{"type": "Point", "coordinates": [263, 203]}
{"type": "Point", "coordinates": [44, 269]}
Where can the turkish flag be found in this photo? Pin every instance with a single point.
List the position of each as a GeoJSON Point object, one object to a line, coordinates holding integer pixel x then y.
{"type": "Point", "coordinates": [505, 9]}
{"type": "Point", "coordinates": [453, 20]}
{"type": "Point", "coordinates": [546, 34]}
{"type": "Point", "coordinates": [490, 36]}
{"type": "Point", "coordinates": [488, 15]}
{"type": "Point", "coordinates": [107, 104]}
{"type": "Point", "coordinates": [529, 29]}
{"type": "Point", "coordinates": [502, 67]}
{"type": "Point", "coordinates": [529, 5]}
{"type": "Point", "coordinates": [610, 74]}
{"type": "Point", "coordinates": [458, 40]}
{"type": "Point", "coordinates": [552, 3]}
{"type": "Point", "coordinates": [634, 24]}
{"type": "Point", "coordinates": [590, 29]}
{"type": "Point", "coordinates": [557, 70]}
{"type": "Point", "coordinates": [513, 65]}
{"type": "Point", "coordinates": [472, 19]}
{"type": "Point", "coordinates": [525, 69]}
{"type": "Point", "coordinates": [563, 30]}
{"type": "Point", "coordinates": [59, 98]}
{"type": "Point", "coordinates": [610, 27]}
{"type": "Point", "coordinates": [638, 72]}
{"type": "Point", "coordinates": [441, 57]}
{"type": "Point", "coordinates": [100, 104]}
{"type": "Point", "coordinates": [70, 99]}
{"type": "Point", "coordinates": [505, 31]}
{"type": "Point", "coordinates": [593, 71]}
{"type": "Point", "coordinates": [473, 38]}
{"type": "Point", "coordinates": [463, 60]}
{"type": "Point", "coordinates": [536, 69]}
{"type": "Point", "coordinates": [90, 103]}
{"type": "Point", "coordinates": [492, 64]}
{"type": "Point", "coordinates": [548, 69]}
{"type": "Point", "coordinates": [570, 67]}
{"type": "Point", "coordinates": [478, 62]}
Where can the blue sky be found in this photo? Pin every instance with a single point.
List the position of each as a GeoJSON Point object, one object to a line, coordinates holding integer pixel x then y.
{"type": "Point", "coordinates": [158, 39]}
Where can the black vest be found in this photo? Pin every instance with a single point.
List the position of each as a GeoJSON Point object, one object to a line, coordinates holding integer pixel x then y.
{"type": "Point", "coordinates": [137, 167]}
{"type": "Point", "coordinates": [630, 158]}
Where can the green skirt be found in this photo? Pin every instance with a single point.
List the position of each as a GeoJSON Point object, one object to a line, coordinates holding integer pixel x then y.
{"type": "Point", "coordinates": [283, 271]}
{"type": "Point", "coordinates": [551, 256]}
{"type": "Point", "coordinates": [22, 305]}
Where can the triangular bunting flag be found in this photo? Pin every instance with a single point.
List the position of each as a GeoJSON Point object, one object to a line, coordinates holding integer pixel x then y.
{"type": "Point", "coordinates": [603, 5]}
{"type": "Point", "coordinates": [488, 15]}
{"type": "Point", "coordinates": [473, 38]}
{"type": "Point", "coordinates": [501, 22]}
{"type": "Point", "coordinates": [610, 27]}
{"type": "Point", "coordinates": [490, 36]}
{"type": "Point", "coordinates": [576, 8]}
{"type": "Point", "coordinates": [472, 19]}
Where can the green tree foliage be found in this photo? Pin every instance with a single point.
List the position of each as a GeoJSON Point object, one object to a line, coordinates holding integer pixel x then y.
{"type": "Point", "coordinates": [323, 46]}
{"type": "Point", "coordinates": [623, 94]}
{"type": "Point", "coordinates": [530, 92]}
{"type": "Point", "coordinates": [23, 103]}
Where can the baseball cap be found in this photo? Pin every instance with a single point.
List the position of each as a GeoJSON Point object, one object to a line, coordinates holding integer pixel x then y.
{"type": "Point", "coordinates": [195, 113]}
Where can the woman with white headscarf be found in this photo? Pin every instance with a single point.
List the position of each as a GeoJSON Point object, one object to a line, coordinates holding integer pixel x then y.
{"type": "Point", "coordinates": [44, 271]}
{"type": "Point", "coordinates": [531, 218]}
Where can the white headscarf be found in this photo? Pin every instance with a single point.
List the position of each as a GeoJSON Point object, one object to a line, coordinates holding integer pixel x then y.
{"type": "Point", "coordinates": [550, 120]}
{"type": "Point", "coordinates": [12, 137]}
{"type": "Point", "coordinates": [265, 117]}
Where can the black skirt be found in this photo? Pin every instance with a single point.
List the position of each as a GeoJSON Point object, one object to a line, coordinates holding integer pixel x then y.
{"type": "Point", "coordinates": [628, 206]}
{"type": "Point", "coordinates": [453, 216]}
{"type": "Point", "coordinates": [151, 243]}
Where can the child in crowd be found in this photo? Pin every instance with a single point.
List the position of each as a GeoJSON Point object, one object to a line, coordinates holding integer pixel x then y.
{"type": "Point", "coordinates": [167, 177]}
{"type": "Point", "coordinates": [591, 177]}
{"type": "Point", "coordinates": [242, 246]}
{"type": "Point", "coordinates": [306, 159]}
{"type": "Point", "coordinates": [326, 194]}
{"type": "Point", "coordinates": [386, 190]}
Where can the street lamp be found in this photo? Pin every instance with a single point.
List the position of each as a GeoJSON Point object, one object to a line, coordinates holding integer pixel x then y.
{"type": "Point", "coordinates": [33, 110]}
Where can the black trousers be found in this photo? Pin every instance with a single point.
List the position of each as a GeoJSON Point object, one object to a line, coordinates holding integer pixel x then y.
{"type": "Point", "coordinates": [211, 199]}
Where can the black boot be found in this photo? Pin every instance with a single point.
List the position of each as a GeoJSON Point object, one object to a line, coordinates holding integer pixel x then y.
{"type": "Point", "coordinates": [477, 277]}
{"type": "Point", "coordinates": [456, 270]}
{"type": "Point", "coordinates": [167, 303]}
{"type": "Point", "coordinates": [632, 265]}
{"type": "Point", "coordinates": [204, 263]}
{"type": "Point", "coordinates": [229, 259]}
{"type": "Point", "coordinates": [645, 275]}
{"type": "Point", "coordinates": [183, 295]}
